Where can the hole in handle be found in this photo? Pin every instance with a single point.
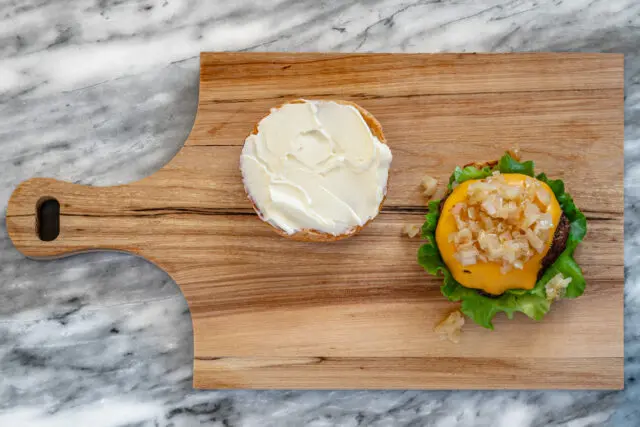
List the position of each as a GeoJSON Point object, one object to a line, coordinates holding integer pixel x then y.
{"type": "Point", "coordinates": [48, 219]}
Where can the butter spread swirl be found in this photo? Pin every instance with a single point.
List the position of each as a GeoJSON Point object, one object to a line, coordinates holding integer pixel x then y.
{"type": "Point", "coordinates": [315, 165]}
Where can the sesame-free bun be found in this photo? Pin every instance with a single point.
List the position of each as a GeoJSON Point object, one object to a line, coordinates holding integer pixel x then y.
{"type": "Point", "coordinates": [312, 235]}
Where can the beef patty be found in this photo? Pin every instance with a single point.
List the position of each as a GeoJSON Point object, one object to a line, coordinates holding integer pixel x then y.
{"type": "Point", "coordinates": [557, 246]}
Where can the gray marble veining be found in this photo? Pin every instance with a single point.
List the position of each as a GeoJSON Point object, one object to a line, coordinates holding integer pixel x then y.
{"type": "Point", "coordinates": [104, 92]}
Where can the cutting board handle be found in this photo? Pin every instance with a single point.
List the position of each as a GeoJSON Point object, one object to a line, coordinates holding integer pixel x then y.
{"type": "Point", "coordinates": [48, 218]}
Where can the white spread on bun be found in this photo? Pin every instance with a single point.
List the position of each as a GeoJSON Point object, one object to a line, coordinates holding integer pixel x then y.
{"type": "Point", "coordinates": [316, 170]}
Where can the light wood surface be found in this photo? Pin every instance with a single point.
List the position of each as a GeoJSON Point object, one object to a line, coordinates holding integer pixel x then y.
{"type": "Point", "coordinates": [272, 313]}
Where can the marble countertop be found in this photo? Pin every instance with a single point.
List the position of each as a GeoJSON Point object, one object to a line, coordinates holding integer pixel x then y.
{"type": "Point", "coordinates": [104, 92]}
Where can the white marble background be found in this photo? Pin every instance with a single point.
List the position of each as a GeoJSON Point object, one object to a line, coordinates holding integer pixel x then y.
{"type": "Point", "coordinates": [104, 92]}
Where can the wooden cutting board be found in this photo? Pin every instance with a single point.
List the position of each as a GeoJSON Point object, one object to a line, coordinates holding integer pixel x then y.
{"type": "Point", "coordinates": [272, 313]}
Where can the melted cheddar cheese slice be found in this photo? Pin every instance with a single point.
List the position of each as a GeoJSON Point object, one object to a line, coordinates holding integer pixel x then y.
{"type": "Point", "coordinates": [486, 275]}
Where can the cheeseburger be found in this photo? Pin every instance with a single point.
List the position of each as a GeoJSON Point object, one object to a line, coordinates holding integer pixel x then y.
{"type": "Point", "coordinates": [503, 238]}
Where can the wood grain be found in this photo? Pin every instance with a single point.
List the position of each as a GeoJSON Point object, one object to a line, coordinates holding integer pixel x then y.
{"type": "Point", "coordinates": [271, 313]}
{"type": "Point", "coordinates": [408, 373]}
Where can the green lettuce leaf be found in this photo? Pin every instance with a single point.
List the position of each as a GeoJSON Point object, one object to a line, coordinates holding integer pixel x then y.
{"type": "Point", "coordinates": [508, 164]}
{"type": "Point", "coordinates": [431, 221]}
{"type": "Point", "coordinates": [482, 309]}
{"type": "Point", "coordinates": [461, 175]}
{"type": "Point", "coordinates": [533, 303]}
{"type": "Point", "coordinates": [576, 217]}
{"type": "Point", "coordinates": [568, 267]}
{"type": "Point", "coordinates": [565, 263]}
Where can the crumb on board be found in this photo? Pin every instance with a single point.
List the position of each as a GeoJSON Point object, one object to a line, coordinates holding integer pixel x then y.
{"type": "Point", "coordinates": [451, 327]}
{"type": "Point", "coordinates": [429, 185]}
{"type": "Point", "coordinates": [411, 230]}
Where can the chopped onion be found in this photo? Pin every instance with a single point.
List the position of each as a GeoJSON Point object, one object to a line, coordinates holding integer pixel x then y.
{"type": "Point", "coordinates": [501, 222]}
{"type": "Point", "coordinates": [466, 256]}
{"type": "Point", "coordinates": [543, 196]}
{"type": "Point", "coordinates": [505, 236]}
{"type": "Point", "coordinates": [535, 242]}
{"type": "Point", "coordinates": [515, 152]}
{"type": "Point", "coordinates": [411, 230]}
{"type": "Point", "coordinates": [457, 208]}
{"type": "Point", "coordinates": [460, 222]}
{"type": "Point", "coordinates": [486, 222]}
{"type": "Point", "coordinates": [511, 191]}
{"type": "Point", "coordinates": [557, 286]}
{"type": "Point", "coordinates": [429, 185]}
{"type": "Point", "coordinates": [471, 212]}
{"type": "Point", "coordinates": [464, 236]}
{"type": "Point", "coordinates": [543, 235]}
{"type": "Point", "coordinates": [531, 215]}
{"type": "Point", "coordinates": [505, 268]}
{"type": "Point", "coordinates": [451, 327]}
{"type": "Point", "coordinates": [489, 207]}
{"type": "Point", "coordinates": [545, 221]}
